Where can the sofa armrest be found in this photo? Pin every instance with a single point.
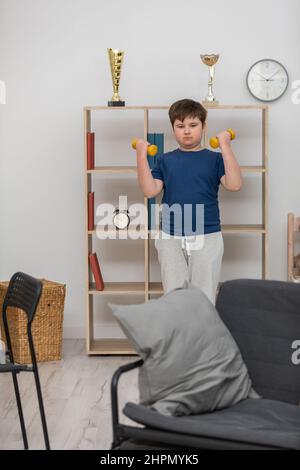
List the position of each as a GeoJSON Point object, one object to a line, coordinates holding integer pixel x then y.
{"type": "Point", "coordinates": [114, 393]}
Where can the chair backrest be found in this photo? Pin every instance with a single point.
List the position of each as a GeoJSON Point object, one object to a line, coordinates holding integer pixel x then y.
{"type": "Point", "coordinates": [263, 316]}
{"type": "Point", "coordinates": [23, 292]}
{"type": "Point", "coordinates": [293, 258]}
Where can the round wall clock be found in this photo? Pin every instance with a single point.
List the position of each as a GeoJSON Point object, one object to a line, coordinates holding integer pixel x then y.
{"type": "Point", "coordinates": [267, 80]}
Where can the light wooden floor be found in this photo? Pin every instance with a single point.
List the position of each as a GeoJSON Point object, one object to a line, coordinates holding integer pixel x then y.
{"type": "Point", "coordinates": [76, 395]}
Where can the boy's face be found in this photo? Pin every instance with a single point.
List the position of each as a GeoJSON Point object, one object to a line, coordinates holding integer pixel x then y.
{"type": "Point", "coordinates": [188, 132]}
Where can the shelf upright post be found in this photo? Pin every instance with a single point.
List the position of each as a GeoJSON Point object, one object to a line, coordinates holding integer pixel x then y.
{"type": "Point", "coordinates": [146, 240]}
{"type": "Point", "coordinates": [265, 191]}
{"type": "Point", "coordinates": [89, 320]}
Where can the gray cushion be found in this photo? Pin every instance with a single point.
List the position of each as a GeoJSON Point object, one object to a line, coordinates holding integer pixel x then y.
{"type": "Point", "coordinates": [191, 362]}
{"type": "Point", "coordinates": [262, 422]}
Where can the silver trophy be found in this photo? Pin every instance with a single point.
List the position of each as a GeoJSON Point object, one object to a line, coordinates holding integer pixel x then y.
{"type": "Point", "coordinates": [210, 60]}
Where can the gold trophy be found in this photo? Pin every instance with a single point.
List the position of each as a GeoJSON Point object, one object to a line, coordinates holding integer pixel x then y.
{"type": "Point", "coordinates": [116, 60]}
{"type": "Point", "coordinates": [210, 60]}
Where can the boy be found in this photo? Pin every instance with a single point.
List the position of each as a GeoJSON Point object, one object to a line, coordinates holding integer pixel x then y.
{"type": "Point", "coordinates": [190, 176]}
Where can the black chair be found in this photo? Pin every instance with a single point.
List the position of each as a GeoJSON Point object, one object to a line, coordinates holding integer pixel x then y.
{"type": "Point", "coordinates": [263, 317]}
{"type": "Point", "coordinates": [23, 292]}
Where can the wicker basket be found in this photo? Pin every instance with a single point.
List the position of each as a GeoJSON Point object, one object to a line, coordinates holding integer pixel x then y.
{"type": "Point", "coordinates": [46, 327]}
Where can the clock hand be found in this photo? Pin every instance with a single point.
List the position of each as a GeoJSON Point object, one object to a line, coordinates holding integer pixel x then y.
{"type": "Point", "coordinates": [261, 75]}
{"type": "Point", "coordinates": [273, 74]}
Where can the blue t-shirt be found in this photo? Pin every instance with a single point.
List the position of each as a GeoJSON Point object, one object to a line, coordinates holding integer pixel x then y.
{"type": "Point", "coordinates": [190, 178]}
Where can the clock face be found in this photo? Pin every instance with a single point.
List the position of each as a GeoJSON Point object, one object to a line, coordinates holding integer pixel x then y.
{"type": "Point", "coordinates": [121, 220]}
{"type": "Point", "coordinates": [267, 80]}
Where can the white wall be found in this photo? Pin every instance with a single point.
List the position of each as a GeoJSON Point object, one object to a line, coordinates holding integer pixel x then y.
{"type": "Point", "coordinates": [53, 59]}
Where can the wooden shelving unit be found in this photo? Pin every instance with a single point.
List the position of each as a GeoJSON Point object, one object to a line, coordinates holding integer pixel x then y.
{"type": "Point", "coordinates": [117, 346]}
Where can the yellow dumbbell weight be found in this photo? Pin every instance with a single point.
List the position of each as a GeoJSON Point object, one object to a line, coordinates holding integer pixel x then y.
{"type": "Point", "coordinates": [214, 141]}
{"type": "Point", "coordinates": [152, 149]}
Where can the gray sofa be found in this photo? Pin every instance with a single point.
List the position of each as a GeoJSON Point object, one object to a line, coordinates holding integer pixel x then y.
{"type": "Point", "coordinates": [263, 317]}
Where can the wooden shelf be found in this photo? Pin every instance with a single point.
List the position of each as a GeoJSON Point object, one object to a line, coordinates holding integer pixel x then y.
{"type": "Point", "coordinates": [111, 346]}
{"type": "Point", "coordinates": [156, 288]}
{"type": "Point", "coordinates": [225, 228]}
{"type": "Point", "coordinates": [111, 230]}
{"type": "Point", "coordinates": [231, 228]}
{"type": "Point", "coordinates": [253, 169]}
{"type": "Point", "coordinates": [113, 288]}
{"type": "Point", "coordinates": [122, 288]}
{"type": "Point", "coordinates": [133, 170]}
{"type": "Point", "coordinates": [113, 169]}
{"type": "Point", "coordinates": [245, 228]}
{"type": "Point", "coordinates": [117, 346]}
{"type": "Point", "coordinates": [146, 107]}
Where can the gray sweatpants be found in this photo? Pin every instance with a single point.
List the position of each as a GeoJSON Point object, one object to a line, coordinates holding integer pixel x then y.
{"type": "Point", "coordinates": [196, 259]}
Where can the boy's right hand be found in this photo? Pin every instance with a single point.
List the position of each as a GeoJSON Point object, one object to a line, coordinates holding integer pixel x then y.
{"type": "Point", "coordinates": [142, 147]}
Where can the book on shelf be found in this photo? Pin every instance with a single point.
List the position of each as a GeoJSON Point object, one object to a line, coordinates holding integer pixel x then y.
{"type": "Point", "coordinates": [91, 197]}
{"type": "Point", "coordinates": [90, 150]}
{"type": "Point", "coordinates": [96, 271]}
{"type": "Point", "coordinates": [156, 139]}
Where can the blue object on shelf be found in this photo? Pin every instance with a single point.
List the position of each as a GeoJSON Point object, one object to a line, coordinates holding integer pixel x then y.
{"type": "Point", "coordinates": [156, 139]}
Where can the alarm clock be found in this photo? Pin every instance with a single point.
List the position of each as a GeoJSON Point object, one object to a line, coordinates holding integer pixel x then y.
{"type": "Point", "coordinates": [121, 219]}
{"type": "Point", "coordinates": [267, 80]}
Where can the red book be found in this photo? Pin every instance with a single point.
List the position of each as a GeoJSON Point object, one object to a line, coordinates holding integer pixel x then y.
{"type": "Point", "coordinates": [91, 211]}
{"type": "Point", "coordinates": [90, 150]}
{"type": "Point", "coordinates": [96, 271]}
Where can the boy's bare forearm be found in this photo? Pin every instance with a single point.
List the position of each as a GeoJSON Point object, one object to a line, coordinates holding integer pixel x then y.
{"type": "Point", "coordinates": [145, 178]}
{"type": "Point", "coordinates": [233, 172]}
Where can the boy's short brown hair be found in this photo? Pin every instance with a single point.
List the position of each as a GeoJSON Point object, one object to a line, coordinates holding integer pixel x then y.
{"type": "Point", "coordinates": [187, 108]}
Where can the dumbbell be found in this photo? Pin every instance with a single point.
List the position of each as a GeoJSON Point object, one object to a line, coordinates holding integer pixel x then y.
{"type": "Point", "coordinates": [214, 141]}
{"type": "Point", "coordinates": [152, 149]}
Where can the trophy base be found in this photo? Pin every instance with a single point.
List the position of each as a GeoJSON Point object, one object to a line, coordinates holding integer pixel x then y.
{"type": "Point", "coordinates": [116, 103]}
{"type": "Point", "coordinates": [210, 103]}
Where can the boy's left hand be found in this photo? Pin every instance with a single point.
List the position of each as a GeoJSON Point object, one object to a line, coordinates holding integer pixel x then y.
{"type": "Point", "coordinates": [224, 138]}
